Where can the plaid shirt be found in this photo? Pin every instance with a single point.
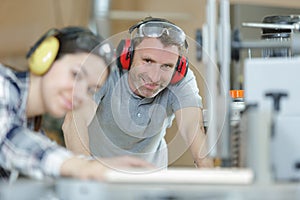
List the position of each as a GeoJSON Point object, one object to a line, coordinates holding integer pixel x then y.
{"type": "Point", "coordinates": [21, 149]}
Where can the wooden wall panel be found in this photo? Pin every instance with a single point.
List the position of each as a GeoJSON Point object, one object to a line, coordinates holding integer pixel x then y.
{"type": "Point", "coordinates": [272, 3]}
{"type": "Point", "coordinates": [22, 22]}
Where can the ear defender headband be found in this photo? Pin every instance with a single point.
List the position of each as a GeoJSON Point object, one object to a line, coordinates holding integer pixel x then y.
{"type": "Point", "coordinates": [43, 53]}
{"type": "Point", "coordinates": [151, 27]}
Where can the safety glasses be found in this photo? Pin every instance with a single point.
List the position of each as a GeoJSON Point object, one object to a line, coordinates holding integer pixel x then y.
{"type": "Point", "coordinates": [156, 29]}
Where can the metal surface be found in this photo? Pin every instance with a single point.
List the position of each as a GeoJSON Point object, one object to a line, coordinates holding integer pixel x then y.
{"type": "Point", "coordinates": [209, 59]}
{"type": "Point", "coordinates": [224, 60]}
{"type": "Point", "coordinates": [71, 189]}
{"type": "Point", "coordinates": [273, 131]}
{"type": "Point", "coordinates": [295, 26]}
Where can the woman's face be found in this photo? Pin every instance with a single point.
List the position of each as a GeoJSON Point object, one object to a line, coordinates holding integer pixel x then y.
{"type": "Point", "coordinates": [70, 81]}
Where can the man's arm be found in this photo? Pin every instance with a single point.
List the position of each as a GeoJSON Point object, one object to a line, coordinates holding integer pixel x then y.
{"type": "Point", "coordinates": [190, 125]}
{"type": "Point", "coordinates": [75, 128]}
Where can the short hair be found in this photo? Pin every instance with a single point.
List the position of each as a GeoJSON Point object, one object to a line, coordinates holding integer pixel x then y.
{"type": "Point", "coordinates": [165, 40]}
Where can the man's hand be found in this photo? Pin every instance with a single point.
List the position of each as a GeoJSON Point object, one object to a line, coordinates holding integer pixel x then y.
{"type": "Point", "coordinates": [83, 168]}
{"type": "Point", "coordinates": [204, 163]}
{"type": "Point", "coordinates": [125, 162]}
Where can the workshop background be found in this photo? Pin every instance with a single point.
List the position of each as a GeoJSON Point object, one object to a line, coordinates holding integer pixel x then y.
{"type": "Point", "coordinates": [22, 22]}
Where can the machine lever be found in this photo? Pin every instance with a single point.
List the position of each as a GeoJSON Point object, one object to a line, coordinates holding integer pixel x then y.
{"type": "Point", "coordinates": [276, 97]}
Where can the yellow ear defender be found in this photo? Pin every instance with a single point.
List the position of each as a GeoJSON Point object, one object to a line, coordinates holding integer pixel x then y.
{"type": "Point", "coordinates": [43, 54]}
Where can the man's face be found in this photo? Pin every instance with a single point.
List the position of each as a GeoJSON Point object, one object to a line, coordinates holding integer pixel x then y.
{"type": "Point", "coordinates": [152, 67]}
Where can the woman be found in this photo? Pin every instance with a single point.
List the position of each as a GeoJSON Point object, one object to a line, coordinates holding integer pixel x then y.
{"type": "Point", "coordinates": [65, 67]}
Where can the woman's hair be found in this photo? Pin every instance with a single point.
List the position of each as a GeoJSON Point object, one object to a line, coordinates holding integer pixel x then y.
{"type": "Point", "coordinates": [75, 40]}
{"type": "Point", "coordinates": [79, 39]}
{"type": "Point", "coordinates": [57, 42]}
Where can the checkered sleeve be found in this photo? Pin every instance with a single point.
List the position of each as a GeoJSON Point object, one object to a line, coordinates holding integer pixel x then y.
{"type": "Point", "coordinates": [22, 149]}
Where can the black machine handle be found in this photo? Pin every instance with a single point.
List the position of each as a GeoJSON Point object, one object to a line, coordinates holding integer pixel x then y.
{"type": "Point", "coordinates": [276, 96]}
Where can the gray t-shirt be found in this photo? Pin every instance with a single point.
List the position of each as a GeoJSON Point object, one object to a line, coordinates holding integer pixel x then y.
{"type": "Point", "coordinates": [126, 124]}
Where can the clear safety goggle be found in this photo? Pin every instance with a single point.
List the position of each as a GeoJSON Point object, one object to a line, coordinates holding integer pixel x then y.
{"type": "Point", "coordinates": [156, 29]}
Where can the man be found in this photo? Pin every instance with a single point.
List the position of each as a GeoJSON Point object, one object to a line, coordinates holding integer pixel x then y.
{"type": "Point", "coordinates": [150, 86]}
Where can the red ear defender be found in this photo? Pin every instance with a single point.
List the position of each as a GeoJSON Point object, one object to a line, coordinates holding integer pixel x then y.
{"type": "Point", "coordinates": [181, 70]}
{"type": "Point", "coordinates": [124, 54]}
